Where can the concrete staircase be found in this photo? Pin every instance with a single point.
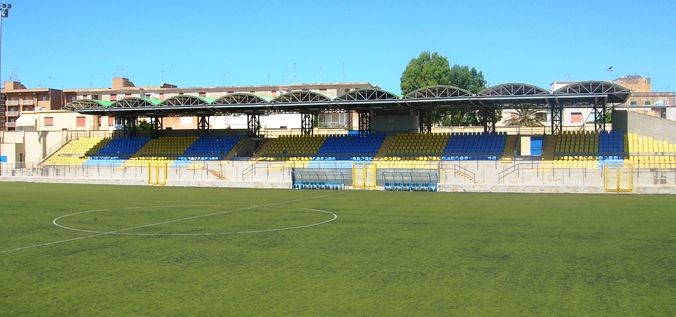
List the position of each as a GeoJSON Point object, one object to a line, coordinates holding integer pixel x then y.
{"type": "Point", "coordinates": [216, 173]}
{"type": "Point", "coordinates": [466, 176]}
{"type": "Point", "coordinates": [510, 147]}
{"type": "Point", "coordinates": [235, 150]}
{"type": "Point", "coordinates": [253, 146]}
{"type": "Point", "coordinates": [385, 147]}
{"type": "Point", "coordinates": [549, 147]}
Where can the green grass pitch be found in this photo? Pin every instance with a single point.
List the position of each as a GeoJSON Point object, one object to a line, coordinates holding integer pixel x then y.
{"type": "Point", "coordinates": [144, 251]}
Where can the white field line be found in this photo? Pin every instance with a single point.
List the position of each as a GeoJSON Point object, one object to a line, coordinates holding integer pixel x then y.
{"type": "Point", "coordinates": [334, 217]}
{"type": "Point", "coordinates": [148, 225]}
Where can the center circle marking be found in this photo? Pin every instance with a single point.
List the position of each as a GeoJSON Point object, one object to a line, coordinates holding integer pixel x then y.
{"type": "Point", "coordinates": [121, 232]}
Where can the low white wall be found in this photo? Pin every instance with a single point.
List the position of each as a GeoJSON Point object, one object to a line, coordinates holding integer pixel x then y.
{"type": "Point", "coordinates": [465, 176]}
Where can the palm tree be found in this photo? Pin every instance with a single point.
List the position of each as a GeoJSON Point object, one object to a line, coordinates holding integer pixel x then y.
{"type": "Point", "coordinates": [524, 117]}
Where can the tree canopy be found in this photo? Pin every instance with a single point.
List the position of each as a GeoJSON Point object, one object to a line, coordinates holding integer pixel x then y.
{"type": "Point", "coordinates": [431, 68]}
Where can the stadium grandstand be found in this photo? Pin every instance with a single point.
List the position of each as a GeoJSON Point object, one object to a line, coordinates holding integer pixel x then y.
{"type": "Point", "coordinates": [393, 148]}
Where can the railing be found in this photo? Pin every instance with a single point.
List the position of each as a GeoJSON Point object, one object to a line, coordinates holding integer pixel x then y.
{"type": "Point", "coordinates": [10, 124]}
{"type": "Point", "coordinates": [506, 172]}
{"type": "Point", "coordinates": [52, 150]}
{"type": "Point", "coordinates": [76, 134]}
{"type": "Point", "coordinates": [27, 102]}
{"type": "Point", "coordinates": [249, 170]}
{"type": "Point", "coordinates": [12, 102]}
{"type": "Point", "coordinates": [457, 169]}
{"type": "Point", "coordinates": [12, 113]}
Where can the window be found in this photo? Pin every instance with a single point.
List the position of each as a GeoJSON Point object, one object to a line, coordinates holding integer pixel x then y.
{"type": "Point", "coordinates": [111, 121]}
{"type": "Point", "coordinates": [632, 103]}
{"type": "Point", "coordinates": [646, 103]}
{"type": "Point", "coordinates": [95, 97]}
{"type": "Point", "coordinates": [113, 97]}
{"type": "Point", "coordinates": [333, 120]}
{"type": "Point", "coordinates": [80, 121]}
{"type": "Point", "coordinates": [44, 98]}
{"type": "Point", "coordinates": [202, 94]}
{"type": "Point", "coordinates": [49, 121]}
{"type": "Point", "coordinates": [186, 120]}
{"type": "Point", "coordinates": [541, 116]}
{"type": "Point", "coordinates": [576, 117]}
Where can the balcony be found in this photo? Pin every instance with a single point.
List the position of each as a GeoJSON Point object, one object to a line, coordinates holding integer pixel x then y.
{"type": "Point", "coordinates": [12, 102]}
{"type": "Point", "coordinates": [11, 113]}
{"type": "Point", "coordinates": [27, 102]}
{"type": "Point", "coordinates": [10, 124]}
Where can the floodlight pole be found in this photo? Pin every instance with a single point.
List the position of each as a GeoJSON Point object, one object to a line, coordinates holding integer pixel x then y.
{"type": "Point", "coordinates": [4, 12]}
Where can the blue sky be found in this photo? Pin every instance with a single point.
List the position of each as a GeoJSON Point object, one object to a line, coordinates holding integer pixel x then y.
{"type": "Point", "coordinates": [69, 44]}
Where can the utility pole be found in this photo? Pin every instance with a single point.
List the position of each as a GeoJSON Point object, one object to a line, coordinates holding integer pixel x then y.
{"type": "Point", "coordinates": [4, 13]}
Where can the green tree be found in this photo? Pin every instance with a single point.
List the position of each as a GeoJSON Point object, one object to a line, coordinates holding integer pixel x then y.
{"type": "Point", "coordinates": [144, 125]}
{"type": "Point", "coordinates": [429, 69]}
{"type": "Point", "coordinates": [523, 116]}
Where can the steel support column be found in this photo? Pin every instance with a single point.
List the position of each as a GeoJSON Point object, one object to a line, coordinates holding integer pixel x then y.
{"type": "Point", "coordinates": [425, 121]}
{"type": "Point", "coordinates": [364, 122]}
{"type": "Point", "coordinates": [557, 118]}
{"type": "Point", "coordinates": [156, 127]}
{"type": "Point", "coordinates": [307, 125]}
{"type": "Point", "coordinates": [253, 124]}
{"type": "Point", "coordinates": [203, 124]}
{"type": "Point", "coordinates": [129, 125]}
{"type": "Point", "coordinates": [599, 117]}
{"type": "Point", "coordinates": [488, 119]}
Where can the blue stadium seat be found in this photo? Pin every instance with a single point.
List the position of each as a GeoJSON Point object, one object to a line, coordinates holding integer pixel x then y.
{"type": "Point", "coordinates": [475, 146]}
{"type": "Point", "coordinates": [210, 148]}
{"type": "Point", "coordinates": [117, 150]}
{"type": "Point", "coordinates": [351, 147]}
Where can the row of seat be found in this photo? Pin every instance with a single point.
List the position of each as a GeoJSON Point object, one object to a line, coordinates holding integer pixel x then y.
{"type": "Point", "coordinates": [589, 147]}
{"type": "Point", "coordinates": [485, 146]}
{"type": "Point", "coordinates": [118, 150]}
{"type": "Point", "coordinates": [351, 147]}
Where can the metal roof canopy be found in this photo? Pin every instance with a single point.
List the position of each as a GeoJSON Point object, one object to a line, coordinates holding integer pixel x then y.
{"type": "Point", "coordinates": [576, 95]}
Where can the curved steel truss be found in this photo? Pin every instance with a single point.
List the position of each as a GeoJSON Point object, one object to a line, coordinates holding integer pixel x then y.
{"type": "Point", "coordinates": [513, 89]}
{"type": "Point", "coordinates": [440, 91]}
{"type": "Point", "coordinates": [577, 95]}
{"type": "Point", "coordinates": [185, 100]}
{"type": "Point", "coordinates": [240, 99]}
{"type": "Point", "coordinates": [301, 96]}
{"type": "Point", "coordinates": [87, 104]}
{"type": "Point", "coordinates": [367, 94]}
{"type": "Point", "coordinates": [134, 102]}
{"type": "Point", "coordinates": [615, 92]}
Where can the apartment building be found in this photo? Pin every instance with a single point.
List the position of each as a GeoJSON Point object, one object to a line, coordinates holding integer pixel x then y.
{"type": "Point", "coordinates": [21, 100]}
